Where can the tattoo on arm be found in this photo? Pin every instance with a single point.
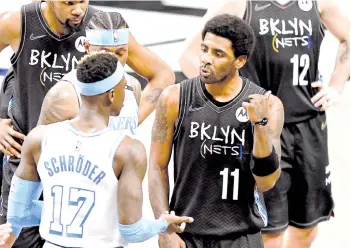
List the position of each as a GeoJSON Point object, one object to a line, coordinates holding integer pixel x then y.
{"type": "Point", "coordinates": [56, 108]}
{"type": "Point", "coordinates": [154, 95]}
{"type": "Point", "coordinates": [160, 127]}
{"type": "Point", "coordinates": [344, 51]}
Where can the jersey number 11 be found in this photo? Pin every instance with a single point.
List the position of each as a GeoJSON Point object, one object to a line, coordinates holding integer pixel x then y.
{"type": "Point", "coordinates": [235, 175]}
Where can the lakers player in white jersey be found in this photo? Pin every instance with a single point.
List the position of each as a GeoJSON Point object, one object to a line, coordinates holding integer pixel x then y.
{"type": "Point", "coordinates": [59, 106]}
{"type": "Point", "coordinates": [90, 174]}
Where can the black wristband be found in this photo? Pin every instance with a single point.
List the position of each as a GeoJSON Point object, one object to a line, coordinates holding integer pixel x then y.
{"type": "Point", "coordinates": [262, 167]}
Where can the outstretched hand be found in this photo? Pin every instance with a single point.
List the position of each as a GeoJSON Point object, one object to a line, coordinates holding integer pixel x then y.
{"type": "Point", "coordinates": [175, 223]}
{"type": "Point", "coordinates": [5, 231]}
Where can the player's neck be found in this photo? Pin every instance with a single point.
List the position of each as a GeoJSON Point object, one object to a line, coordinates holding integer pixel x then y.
{"type": "Point", "coordinates": [51, 20]}
{"type": "Point", "coordinates": [282, 2]}
{"type": "Point", "coordinates": [91, 119]}
{"type": "Point", "coordinates": [227, 89]}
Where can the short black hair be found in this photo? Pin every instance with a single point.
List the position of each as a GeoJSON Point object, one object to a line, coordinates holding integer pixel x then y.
{"type": "Point", "coordinates": [96, 67]}
{"type": "Point", "coordinates": [106, 20]}
{"type": "Point", "coordinates": [233, 28]}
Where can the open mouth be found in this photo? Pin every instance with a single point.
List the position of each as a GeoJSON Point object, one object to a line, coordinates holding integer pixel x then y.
{"type": "Point", "coordinates": [205, 72]}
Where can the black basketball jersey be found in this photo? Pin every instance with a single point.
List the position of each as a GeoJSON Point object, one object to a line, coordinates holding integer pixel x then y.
{"type": "Point", "coordinates": [212, 153]}
{"type": "Point", "coordinates": [285, 59]}
{"type": "Point", "coordinates": [42, 59]}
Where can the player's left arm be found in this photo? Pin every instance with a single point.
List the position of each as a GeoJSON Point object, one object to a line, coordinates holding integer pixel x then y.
{"type": "Point", "coordinates": [135, 84]}
{"type": "Point", "coordinates": [23, 208]}
{"type": "Point", "coordinates": [156, 71]}
{"type": "Point", "coordinates": [339, 25]}
{"type": "Point", "coordinates": [266, 149]}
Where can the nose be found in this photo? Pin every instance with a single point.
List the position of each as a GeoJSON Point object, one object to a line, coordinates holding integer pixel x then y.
{"type": "Point", "coordinates": [77, 10]}
{"type": "Point", "coordinates": [206, 59]}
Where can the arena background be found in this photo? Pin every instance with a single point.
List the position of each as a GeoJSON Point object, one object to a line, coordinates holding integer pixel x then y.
{"type": "Point", "coordinates": [162, 26]}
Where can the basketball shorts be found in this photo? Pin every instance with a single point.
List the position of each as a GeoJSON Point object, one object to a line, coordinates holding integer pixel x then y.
{"type": "Point", "coordinates": [302, 195]}
{"type": "Point", "coordinates": [246, 241]}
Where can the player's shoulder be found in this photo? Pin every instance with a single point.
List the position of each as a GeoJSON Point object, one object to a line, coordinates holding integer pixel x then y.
{"type": "Point", "coordinates": [130, 150]}
{"type": "Point", "coordinates": [64, 89]}
{"type": "Point", "coordinates": [10, 24]}
{"type": "Point", "coordinates": [170, 94]}
{"type": "Point", "coordinates": [35, 136]}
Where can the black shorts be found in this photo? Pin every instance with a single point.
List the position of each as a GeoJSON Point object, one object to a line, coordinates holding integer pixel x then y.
{"type": "Point", "coordinates": [302, 195]}
{"type": "Point", "coordinates": [247, 241]}
{"type": "Point", "coordinates": [29, 237]}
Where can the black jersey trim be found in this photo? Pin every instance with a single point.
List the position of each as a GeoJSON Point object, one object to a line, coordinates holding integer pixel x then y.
{"type": "Point", "coordinates": [183, 96]}
{"type": "Point", "coordinates": [248, 12]}
{"type": "Point", "coordinates": [321, 26]}
{"type": "Point", "coordinates": [23, 31]}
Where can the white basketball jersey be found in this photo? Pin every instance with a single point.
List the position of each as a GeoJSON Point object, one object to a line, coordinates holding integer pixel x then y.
{"type": "Point", "coordinates": [129, 116]}
{"type": "Point", "coordinates": [80, 187]}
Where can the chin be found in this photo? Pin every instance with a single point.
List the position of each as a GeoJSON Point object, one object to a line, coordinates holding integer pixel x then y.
{"type": "Point", "coordinates": [75, 27]}
{"type": "Point", "coordinates": [207, 80]}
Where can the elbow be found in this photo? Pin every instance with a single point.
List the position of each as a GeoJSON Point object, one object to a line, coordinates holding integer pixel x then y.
{"type": "Point", "coordinates": [167, 76]}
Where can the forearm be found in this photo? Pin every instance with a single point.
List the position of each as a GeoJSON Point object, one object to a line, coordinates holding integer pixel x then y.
{"type": "Point", "coordinates": [158, 190]}
{"type": "Point", "coordinates": [342, 67]}
{"type": "Point", "coordinates": [153, 90]}
{"type": "Point", "coordinates": [265, 164]}
{"type": "Point", "coordinates": [142, 230]}
{"type": "Point", "coordinates": [262, 141]}
{"type": "Point", "coordinates": [24, 210]}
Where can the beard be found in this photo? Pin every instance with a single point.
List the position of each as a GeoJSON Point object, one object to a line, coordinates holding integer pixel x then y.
{"type": "Point", "coordinates": [73, 27]}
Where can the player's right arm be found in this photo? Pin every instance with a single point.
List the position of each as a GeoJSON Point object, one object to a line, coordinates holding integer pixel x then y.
{"type": "Point", "coordinates": [189, 60]}
{"type": "Point", "coordinates": [25, 187]}
{"type": "Point", "coordinates": [10, 34]}
{"type": "Point", "coordinates": [130, 167]}
{"type": "Point", "coordinates": [167, 111]}
{"type": "Point", "coordinates": [60, 104]}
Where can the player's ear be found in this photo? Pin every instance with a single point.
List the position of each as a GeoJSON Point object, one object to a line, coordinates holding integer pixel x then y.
{"type": "Point", "coordinates": [240, 61]}
{"type": "Point", "coordinates": [86, 47]}
{"type": "Point", "coordinates": [111, 95]}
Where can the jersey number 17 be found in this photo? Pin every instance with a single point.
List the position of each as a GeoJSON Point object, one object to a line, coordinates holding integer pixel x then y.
{"type": "Point", "coordinates": [81, 200]}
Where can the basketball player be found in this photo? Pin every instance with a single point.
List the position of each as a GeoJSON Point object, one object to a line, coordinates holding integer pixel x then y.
{"type": "Point", "coordinates": [43, 37]}
{"type": "Point", "coordinates": [91, 175]}
{"type": "Point", "coordinates": [225, 135]}
{"type": "Point", "coordinates": [48, 40]}
{"type": "Point", "coordinates": [59, 106]}
{"type": "Point", "coordinates": [285, 61]}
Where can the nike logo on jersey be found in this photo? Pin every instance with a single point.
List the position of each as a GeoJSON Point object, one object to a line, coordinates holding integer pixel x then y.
{"type": "Point", "coordinates": [259, 8]}
{"type": "Point", "coordinates": [32, 37]}
{"type": "Point", "coordinates": [192, 109]}
{"type": "Point", "coordinates": [324, 125]}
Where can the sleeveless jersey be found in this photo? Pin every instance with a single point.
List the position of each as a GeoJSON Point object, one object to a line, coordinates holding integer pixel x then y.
{"type": "Point", "coordinates": [285, 58]}
{"type": "Point", "coordinates": [129, 116]}
{"type": "Point", "coordinates": [212, 153]}
{"type": "Point", "coordinates": [42, 59]}
{"type": "Point", "coordinates": [79, 187]}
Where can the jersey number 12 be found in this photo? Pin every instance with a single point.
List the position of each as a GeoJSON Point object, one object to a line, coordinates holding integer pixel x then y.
{"type": "Point", "coordinates": [235, 175]}
{"type": "Point", "coordinates": [304, 61]}
{"type": "Point", "coordinates": [83, 201]}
